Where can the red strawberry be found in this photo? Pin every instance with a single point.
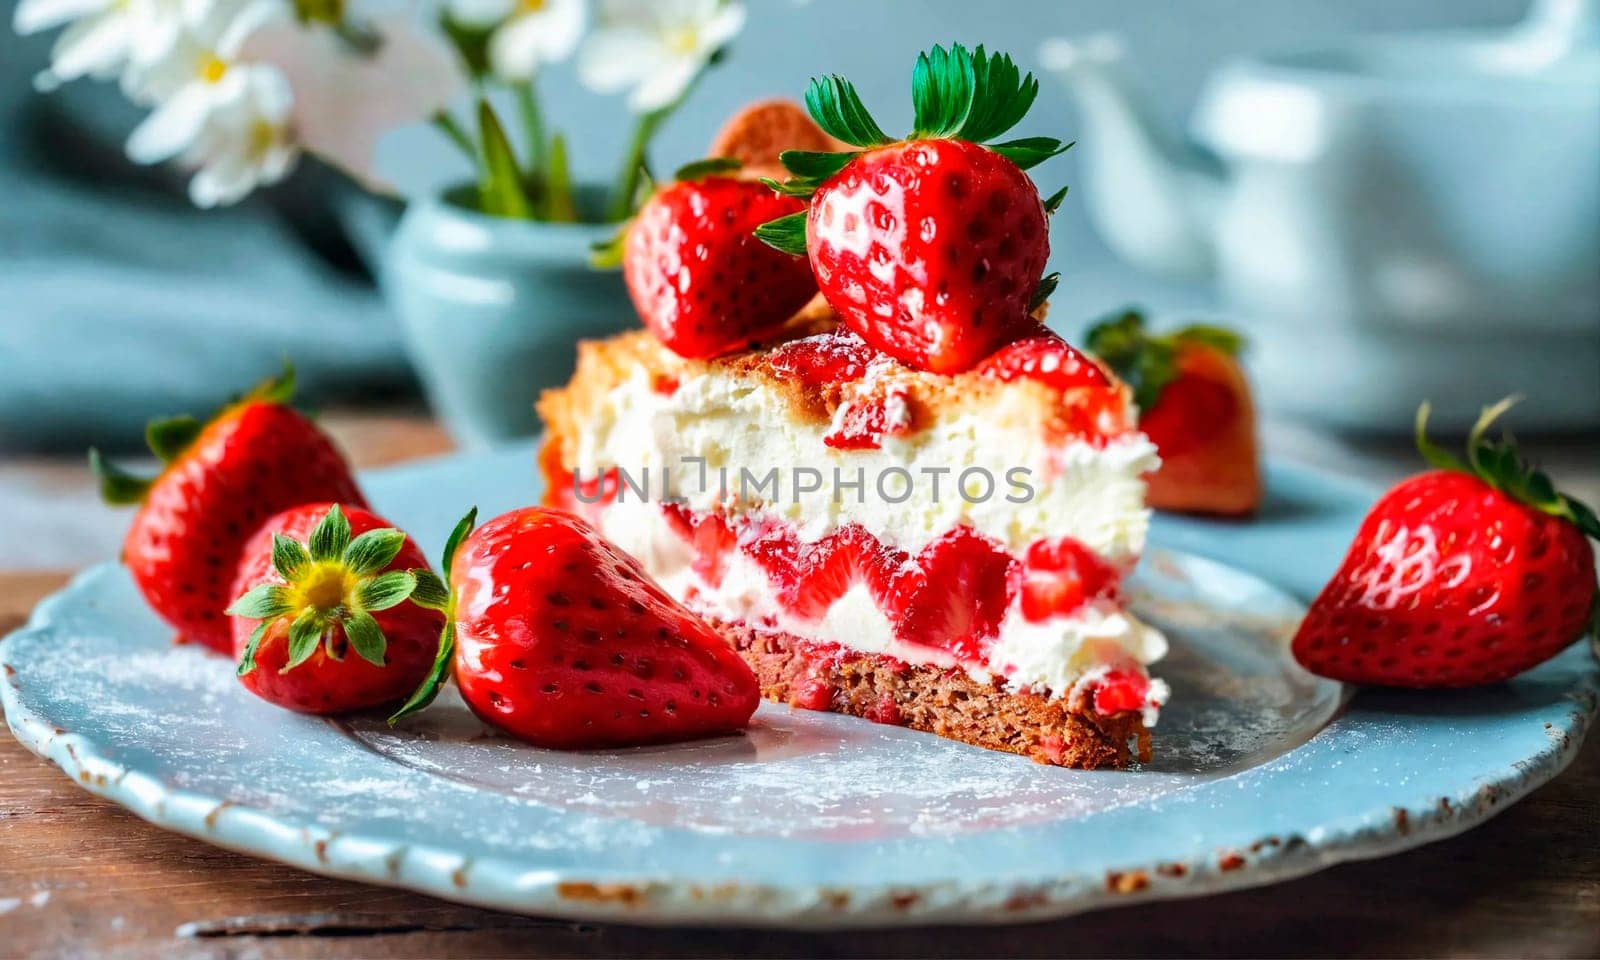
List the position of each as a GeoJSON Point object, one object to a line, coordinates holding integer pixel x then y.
{"type": "Point", "coordinates": [710, 536]}
{"type": "Point", "coordinates": [956, 594]}
{"type": "Point", "coordinates": [1465, 575]}
{"type": "Point", "coordinates": [1060, 575]}
{"type": "Point", "coordinates": [1195, 407]}
{"type": "Point", "coordinates": [330, 587]}
{"type": "Point", "coordinates": [254, 458]}
{"type": "Point", "coordinates": [1120, 691]}
{"type": "Point", "coordinates": [931, 248]}
{"type": "Point", "coordinates": [823, 360]}
{"type": "Point", "coordinates": [700, 281]}
{"type": "Point", "coordinates": [1045, 357]}
{"type": "Point", "coordinates": [1097, 407]}
{"type": "Point", "coordinates": [562, 640]}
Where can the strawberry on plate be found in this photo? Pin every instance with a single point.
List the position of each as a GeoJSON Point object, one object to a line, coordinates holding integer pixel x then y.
{"type": "Point", "coordinates": [1194, 406]}
{"type": "Point", "coordinates": [255, 457]}
{"type": "Point", "coordinates": [1467, 574]}
{"type": "Point", "coordinates": [322, 623]}
{"type": "Point", "coordinates": [933, 247]}
{"type": "Point", "coordinates": [562, 640]}
{"type": "Point", "coordinates": [701, 281]}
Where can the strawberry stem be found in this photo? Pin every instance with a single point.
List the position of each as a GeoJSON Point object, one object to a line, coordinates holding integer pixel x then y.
{"type": "Point", "coordinates": [1498, 463]}
{"type": "Point", "coordinates": [431, 590]}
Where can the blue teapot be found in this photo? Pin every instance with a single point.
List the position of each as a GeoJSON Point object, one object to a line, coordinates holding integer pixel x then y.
{"type": "Point", "coordinates": [1394, 218]}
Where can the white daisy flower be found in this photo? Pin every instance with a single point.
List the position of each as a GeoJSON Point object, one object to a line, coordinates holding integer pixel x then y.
{"type": "Point", "coordinates": [527, 33]}
{"type": "Point", "coordinates": [214, 111]}
{"type": "Point", "coordinates": [248, 142]}
{"type": "Point", "coordinates": [101, 36]}
{"type": "Point", "coordinates": [656, 47]}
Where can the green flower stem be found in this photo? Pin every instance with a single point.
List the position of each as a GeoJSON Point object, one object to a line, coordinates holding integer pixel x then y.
{"type": "Point", "coordinates": [457, 135]}
{"type": "Point", "coordinates": [633, 164]}
{"type": "Point", "coordinates": [532, 127]}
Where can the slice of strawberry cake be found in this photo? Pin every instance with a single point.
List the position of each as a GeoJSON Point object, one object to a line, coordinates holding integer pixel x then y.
{"type": "Point", "coordinates": [943, 552]}
{"type": "Point", "coordinates": [909, 501]}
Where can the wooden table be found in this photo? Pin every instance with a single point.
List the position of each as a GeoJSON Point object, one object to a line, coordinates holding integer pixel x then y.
{"type": "Point", "coordinates": [79, 876]}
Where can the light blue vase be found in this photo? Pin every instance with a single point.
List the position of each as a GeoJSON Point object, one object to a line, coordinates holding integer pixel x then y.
{"type": "Point", "coordinates": [493, 309]}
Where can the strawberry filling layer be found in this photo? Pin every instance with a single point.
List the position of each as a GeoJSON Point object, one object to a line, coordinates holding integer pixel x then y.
{"type": "Point", "coordinates": [1048, 618]}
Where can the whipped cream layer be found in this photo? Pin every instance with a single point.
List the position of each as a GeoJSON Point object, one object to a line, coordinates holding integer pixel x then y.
{"type": "Point", "coordinates": [1051, 656]}
{"type": "Point", "coordinates": [713, 441]}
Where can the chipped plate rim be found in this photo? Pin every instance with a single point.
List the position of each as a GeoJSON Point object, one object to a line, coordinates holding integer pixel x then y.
{"type": "Point", "coordinates": [1305, 826]}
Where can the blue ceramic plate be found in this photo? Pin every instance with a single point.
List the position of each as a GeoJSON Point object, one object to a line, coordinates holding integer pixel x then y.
{"type": "Point", "coordinates": [811, 820]}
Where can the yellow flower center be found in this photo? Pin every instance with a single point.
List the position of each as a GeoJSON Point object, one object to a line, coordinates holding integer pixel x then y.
{"type": "Point", "coordinates": [326, 586]}
{"type": "Point", "coordinates": [263, 137]}
{"type": "Point", "coordinates": [527, 7]}
{"type": "Point", "coordinates": [212, 68]}
{"type": "Point", "coordinates": [683, 40]}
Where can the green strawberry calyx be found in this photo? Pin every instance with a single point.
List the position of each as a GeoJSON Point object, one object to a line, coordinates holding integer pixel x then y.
{"type": "Point", "coordinates": [957, 94]}
{"type": "Point", "coordinates": [435, 594]}
{"type": "Point", "coordinates": [330, 581]}
{"type": "Point", "coordinates": [607, 254]}
{"type": "Point", "coordinates": [1498, 463]}
{"type": "Point", "coordinates": [1148, 362]}
{"type": "Point", "coordinates": [170, 437]}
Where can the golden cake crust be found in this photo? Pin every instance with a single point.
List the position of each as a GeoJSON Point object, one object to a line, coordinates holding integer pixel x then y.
{"type": "Point", "coordinates": [605, 364]}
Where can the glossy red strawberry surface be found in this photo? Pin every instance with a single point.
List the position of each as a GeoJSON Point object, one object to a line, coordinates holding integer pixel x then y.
{"type": "Point", "coordinates": [564, 641]}
{"type": "Point", "coordinates": [930, 250]}
{"type": "Point", "coordinates": [824, 360]}
{"type": "Point", "coordinates": [1058, 576]}
{"type": "Point", "coordinates": [1450, 583]}
{"type": "Point", "coordinates": [254, 460]}
{"type": "Point", "coordinates": [701, 281]}
{"type": "Point", "coordinates": [324, 683]}
{"type": "Point", "coordinates": [1047, 358]}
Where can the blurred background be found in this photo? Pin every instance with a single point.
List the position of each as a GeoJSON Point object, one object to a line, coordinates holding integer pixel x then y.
{"type": "Point", "coordinates": [121, 301]}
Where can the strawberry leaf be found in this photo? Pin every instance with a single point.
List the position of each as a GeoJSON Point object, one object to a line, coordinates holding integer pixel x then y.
{"type": "Point", "coordinates": [373, 550]}
{"type": "Point", "coordinates": [1001, 97]}
{"type": "Point", "coordinates": [1217, 338]}
{"type": "Point", "coordinates": [810, 168]}
{"type": "Point", "coordinates": [117, 486]}
{"type": "Point", "coordinates": [330, 536]}
{"type": "Point", "coordinates": [304, 633]}
{"type": "Point", "coordinates": [288, 557]}
{"type": "Point", "coordinates": [168, 438]}
{"type": "Point", "coordinates": [1047, 286]}
{"type": "Point", "coordinates": [785, 233]}
{"type": "Point", "coordinates": [815, 165]}
{"type": "Point", "coordinates": [1433, 454]}
{"type": "Point", "coordinates": [942, 88]}
{"type": "Point", "coordinates": [431, 684]}
{"type": "Point", "coordinates": [1146, 364]}
{"type": "Point", "coordinates": [1053, 202]}
{"type": "Point", "coordinates": [793, 187]}
{"type": "Point", "coordinates": [1499, 464]}
{"type": "Point", "coordinates": [277, 389]}
{"type": "Point", "coordinates": [247, 660]}
{"type": "Point", "coordinates": [700, 169]}
{"type": "Point", "coordinates": [430, 592]}
{"type": "Point", "coordinates": [385, 590]}
{"type": "Point", "coordinates": [462, 528]}
{"type": "Point", "coordinates": [266, 601]}
{"type": "Point", "coordinates": [1029, 152]}
{"type": "Point", "coordinates": [365, 636]}
{"type": "Point", "coordinates": [833, 102]}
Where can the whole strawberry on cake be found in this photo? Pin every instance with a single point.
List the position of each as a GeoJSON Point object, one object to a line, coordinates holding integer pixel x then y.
{"type": "Point", "coordinates": [908, 501]}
